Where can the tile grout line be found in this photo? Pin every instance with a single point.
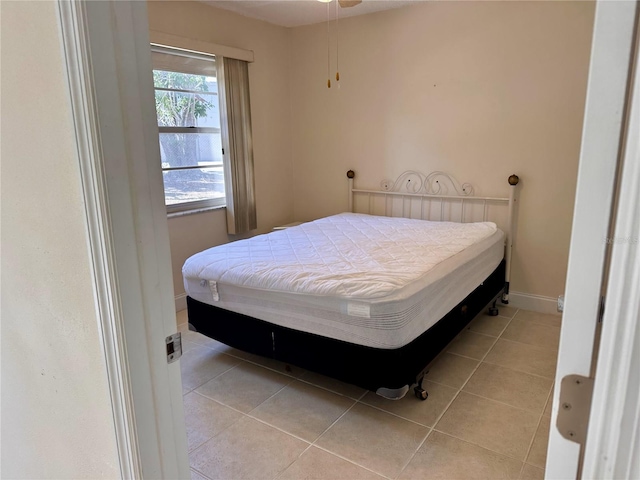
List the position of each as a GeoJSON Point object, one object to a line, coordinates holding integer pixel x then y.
{"type": "Point", "coordinates": [212, 378]}
{"type": "Point", "coordinates": [444, 411]}
{"type": "Point", "coordinates": [505, 455]}
{"type": "Point", "coordinates": [486, 354]}
{"type": "Point", "coordinates": [468, 329]}
{"type": "Point", "coordinates": [395, 414]}
{"type": "Point", "coordinates": [248, 415]}
{"type": "Point", "coordinates": [493, 451]}
{"type": "Point", "coordinates": [324, 449]}
{"type": "Point", "coordinates": [467, 381]}
{"type": "Point", "coordinates": [519, 371]}
{"type": "Point", "coordinates": [360, 400]}
{"type": "Point", "coordinates": [541, 414]}
{"type": "Point", "coordinates": [355, 402]}
{"type": "Point", "coordinates": [482, 359]}
{"type": "Point", "coordinates": [198, 472]}
{"type": "Point", "coordinates": [363, 402]}
{"type": "Point", "coordinates": [520, 343]}
{"type": "Point", "coordinates": [310, 444]}
{"type": "Point", "coordinates": [469, 378]}
{"type": "Point", "coordinates": [503, 403]}
{"type": "Point", "coordinates": [279, 474]}
{"type": "Point", "coordinates": [308, 382]}
{"type": "Point", "coordinates": [529, 344]}
{"type": "Point", "coordinates": [242, 414]}
{"type": "Point", "coordinates": [271, 396]}
{"type": "Point", "coordinates": [259, 420]}
{"type": "Point", "coordinates": [294, 461]}
{"type": "Point", "coordinates": [242, 360]}
{"type": "Point", "coordinates": [502, 454]}
{"type": "Point", "coordinates": [526, 457]}
{"type": "Point", "coordinates": [315, 444]}
{"type": "Point", "coordinates": [209, 342]}
{"type": "Point", "coordinates": [415, 452]}
{"type": "Point", "coordinates": [539, 324]}
{"type": "Point", "coordinates": [189, 452]}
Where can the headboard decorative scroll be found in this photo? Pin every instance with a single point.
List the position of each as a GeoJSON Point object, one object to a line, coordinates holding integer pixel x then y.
{"type": "Point", "coordinates": [435, 183]}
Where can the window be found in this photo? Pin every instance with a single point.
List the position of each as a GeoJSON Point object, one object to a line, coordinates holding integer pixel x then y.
{"type": "Point", "coordinates": [186, 93]}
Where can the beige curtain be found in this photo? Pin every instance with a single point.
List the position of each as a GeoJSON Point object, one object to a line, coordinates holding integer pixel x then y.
{"type": "Point", "coordinates": [235, 113]}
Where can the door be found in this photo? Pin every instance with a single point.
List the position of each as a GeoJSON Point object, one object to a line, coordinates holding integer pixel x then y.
{"type": "Point", "coordinates": [108, 60]}
{"type": "Point", "coordinates": [606, 120]}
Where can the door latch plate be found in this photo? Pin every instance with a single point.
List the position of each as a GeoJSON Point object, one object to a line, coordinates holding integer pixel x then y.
{"type": "Point", "coordinates": [174, 347]}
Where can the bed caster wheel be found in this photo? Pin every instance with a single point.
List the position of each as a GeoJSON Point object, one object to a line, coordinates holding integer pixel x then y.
{"type": "Point", "coordinates": [493, 311]}
{"type": "Point", "coordinates": [421, 393]}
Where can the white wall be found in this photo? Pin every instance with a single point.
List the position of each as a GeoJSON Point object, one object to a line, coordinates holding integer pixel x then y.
{"type": "Point", "coordinates": [189, 234]}
{"type": "Point", "coordinates": [270, 85]}
{"type": "Point", "coordinates": [477, 89]}
{"type": "Point", "coordinates": [56, 411]}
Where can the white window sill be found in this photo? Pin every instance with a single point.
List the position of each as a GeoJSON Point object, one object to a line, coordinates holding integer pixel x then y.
{"type": "Point", "coordinates": [194, 211]}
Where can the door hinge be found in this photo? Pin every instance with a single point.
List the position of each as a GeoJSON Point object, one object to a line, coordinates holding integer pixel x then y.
{"type": "Point", "coordinates": [576, 392]}
{"type": "Point", "coordinates": [174, 347]}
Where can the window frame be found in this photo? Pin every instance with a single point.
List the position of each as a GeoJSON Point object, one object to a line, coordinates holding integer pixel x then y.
{"type": "Point", "coordinates": [194, 205]}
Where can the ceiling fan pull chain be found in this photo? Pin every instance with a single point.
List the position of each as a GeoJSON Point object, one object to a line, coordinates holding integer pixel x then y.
{"type": "Point", "coordinates": [337, 44]}
{"type": "Point", "coordinates": [328, 49]}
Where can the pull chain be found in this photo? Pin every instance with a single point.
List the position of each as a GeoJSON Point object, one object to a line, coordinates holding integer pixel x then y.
{"type": "Point", "coordinates": [337, 44]}
{"type": "Point", "coordinates": [328, 49]}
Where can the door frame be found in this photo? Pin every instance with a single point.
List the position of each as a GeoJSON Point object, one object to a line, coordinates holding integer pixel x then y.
{"type": "Point", "coordinates": [108, 64]}
{"type": "Point", "coordinates": [614, 422]}
{"type": "Point", "coordinates": [601, 160]}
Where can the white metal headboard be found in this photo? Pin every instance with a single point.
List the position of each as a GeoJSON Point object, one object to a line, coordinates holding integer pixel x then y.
{"type": "Point", "coordinates": [454, 202]}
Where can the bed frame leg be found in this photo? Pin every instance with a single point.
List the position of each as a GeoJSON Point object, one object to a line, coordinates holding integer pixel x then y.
{"type": "Point", "coordinates": [505, 294]}
{"type": "Point", "coordinates": [420, 392]}
{"type": "Point", "coordinates": [493, 310]}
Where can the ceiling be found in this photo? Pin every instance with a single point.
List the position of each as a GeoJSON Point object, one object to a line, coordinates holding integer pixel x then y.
{"type": "Point", "coordinates": [293, 13]}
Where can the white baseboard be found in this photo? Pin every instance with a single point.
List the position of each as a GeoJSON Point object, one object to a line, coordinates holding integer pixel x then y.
{"type": "Point", "coordinates": [535, 303]}
{"type": "Point", "coordinates": [181, 302]}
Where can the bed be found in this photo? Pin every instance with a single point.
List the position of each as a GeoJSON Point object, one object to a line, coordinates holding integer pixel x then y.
{"type": "Point", "coordinates": [369, 298]}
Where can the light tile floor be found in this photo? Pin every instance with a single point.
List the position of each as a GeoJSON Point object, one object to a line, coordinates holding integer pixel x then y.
{"type": "Point", "coordinates": [487, 415]}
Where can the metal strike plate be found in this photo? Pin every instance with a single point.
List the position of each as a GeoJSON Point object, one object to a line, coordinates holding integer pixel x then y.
{"type": "Point", "coordinates": [576, 392]}
{"type": "Point", "coordinates": [174, 347]}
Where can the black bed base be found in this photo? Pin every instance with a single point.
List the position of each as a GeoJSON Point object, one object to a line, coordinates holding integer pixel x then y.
{"type": "Point", "coordinates": [367, 367]}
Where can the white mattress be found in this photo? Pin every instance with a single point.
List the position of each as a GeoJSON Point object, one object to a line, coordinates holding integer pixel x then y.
{"type": "Point", "coordinates": [374, 281]}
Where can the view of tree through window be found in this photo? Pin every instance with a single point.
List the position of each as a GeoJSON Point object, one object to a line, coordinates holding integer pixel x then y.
{"type": "Point", "coordinates": [189, 127]}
